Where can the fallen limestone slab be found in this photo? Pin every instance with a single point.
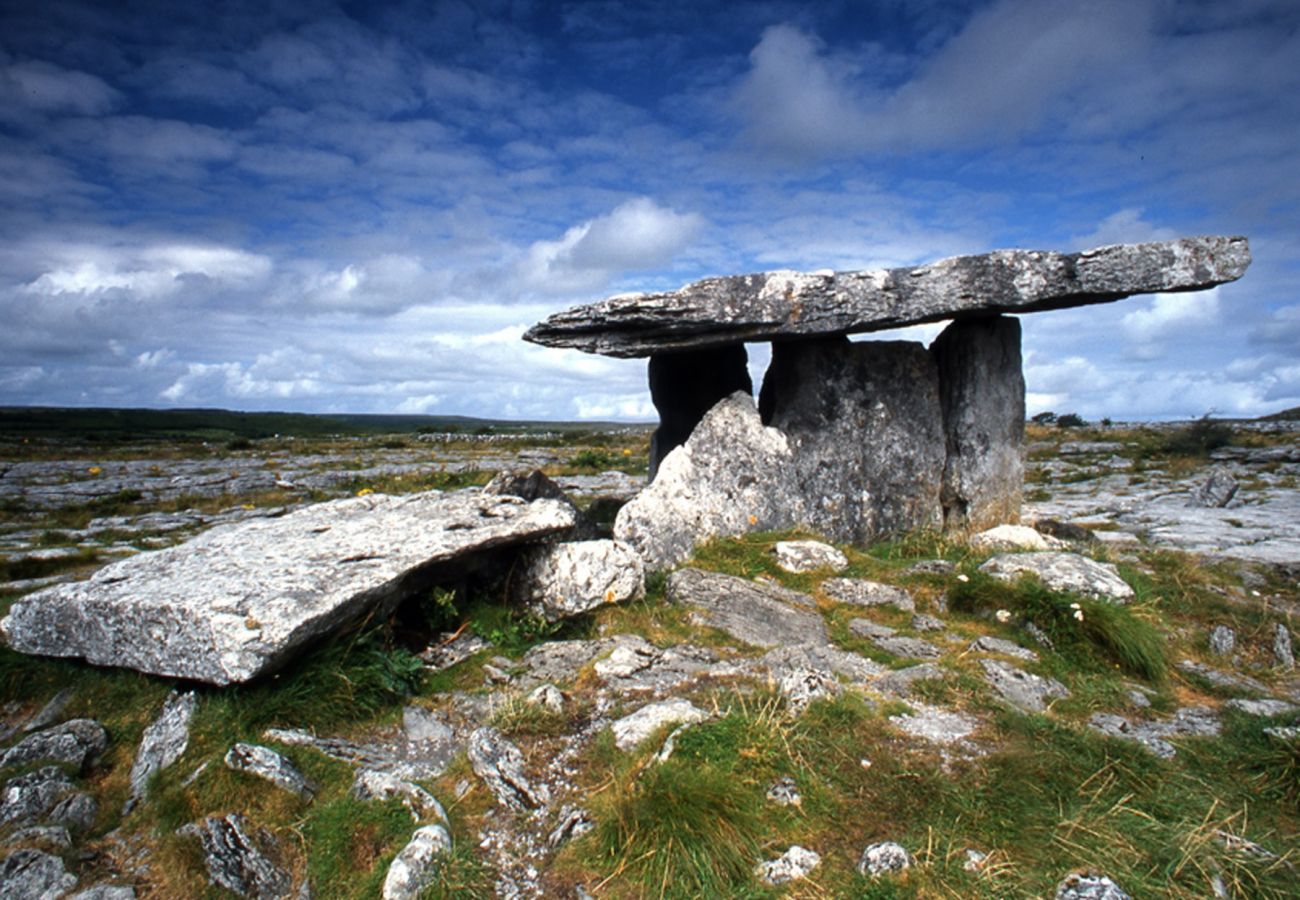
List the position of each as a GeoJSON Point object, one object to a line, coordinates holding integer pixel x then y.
{"type": "Point", "coordinates": [783, 304]}
{"type": "Point", "coordinates": [242, 599]}
{"type": "Point", "coordinates": [1062, 571]}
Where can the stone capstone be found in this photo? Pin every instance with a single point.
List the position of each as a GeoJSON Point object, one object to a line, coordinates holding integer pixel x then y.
{"type": "Point", "coordinates": [982, 393]}
{"type": "Point", "coordinates": [808, 556]}
{"type": "Point", "coordinates": [865, 429]}
{"type": "Point", "coordinates": [1061, 571]}
{"type": "Point", "coordinates": [75, 742]}
{"type": "Point", "coordinates": [242, 599]}
{"type": "Point", "coordinates": [270, 766]}
{"type": "Point", "coordinates": [416, 865]}
{"type": "Point", "coordinates": [686, 385]}
{"type": "Point", "coordinates": [163, 742]}
{"type": "Point", "coordinates": [557, 581]}
{"type": "Point", "coordinates": [731, 476]}
{"type": "Point", "coordinates": [235, 861]}
{"type": "Point", "coordinates": [760, 614]}
{"type": "Point", "coordinates": [501, 766]}
{"type": "Point", "coordinates": [33, 875]}
{"type": "Point", "coordinates": [784, 304]}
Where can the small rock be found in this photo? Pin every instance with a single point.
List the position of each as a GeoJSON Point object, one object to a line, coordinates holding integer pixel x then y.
{"type": "Point", "coordinates": [369, 784]}
{"type": "Point", "coordinates": [105, 892]}
{"type": "Point", "coordinates": [77, 810]}
{"type": "Point", "coordinates": [27, 798]}
{"type": "Point", "coordinates": [899, 681]}
{"type": "Point", "coordinates": [164, 741]}
{"type": "Point", "coordinates": [989, 644]}
{"type": "Point", "coordinates": [635, 727]}
{"type": "Point", "coordinates": [939, 726]}
{"type": "Point", "coordinates": [266, 763]}
{"type": "Point", "coordinates": [416, 865]}
{"type": "Point", "coordinates": [886, 640]}
{"type": "Point", "coordinates": [785, 792]}
{"type": "Point", "coordinates": [75, 742]}
{"type": "Point", "coordinates": [501, 766]}
{"type": "Point", "coordinates": [574, 822]}
{"type": "Point", "coordinates": [51, 711]}
{"type": "Point", "coordinates": [1065, 531]}
{"type": "Point", "coordinates": [1139, 699]}
{"type": "Point", "coordinates": [809, 556]}
{"type": "Point", "coordinates": [451, 650]}
{"type": "Point", "coordinates": [32, 874]}
{"type": "Point", "coordinates": [1282, 651]}
{"type": "Point", "coordinates": [423, 726]}
{"type": "Point", "coordinates": [1265, 707]}
{"type": "Point", "coordinates": [931, 567]}
{"type": "Point", "coordinates": [1020, 688]}
{"type": "Point", "coordinates": [795, 863]}
{"type": "Point", "coordinates": [1226, 681]}
{"type": "Point", "coordinates": [1060, 571]}
{"type": "Point", "coordinates": [800, 687]}
{"type": "Point", "coordinates": [762, 615]}
{"type": "Point", "coordinates": [974, 860]}
{"type": "Point", "coordinates": [882, 858]}
{"type": "Point", "coordinates": [860, 592]}
{"type": "Point", "coordinates": [1089, 887]}
{"type": "Point", "coordinates": [1223, 640]}
{"type": "Point", "coordinates": [627, 659]}
{"type": "Point", "coordinates": [234, 861]}
{"type": "Point", "coordinates": [1013, 537]}
{"type": "Point", "coordinates": [50, 837]}
{"type": "Point", "coordinates": [922, 622]}
{"type": "Point", "coordinates": [1216, 491]}
{"type": "Point", "coordinates": [1285, 734]}
{"type": "Point", "coordinates": [546, 696]}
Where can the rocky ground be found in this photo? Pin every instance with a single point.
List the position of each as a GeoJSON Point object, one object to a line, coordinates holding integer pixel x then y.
{"type": "Point", "coordinates": [773, 718]}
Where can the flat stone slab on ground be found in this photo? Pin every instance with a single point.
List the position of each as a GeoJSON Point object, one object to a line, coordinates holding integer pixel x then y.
{"type": "Point", "coordinates": [240, 600]}
{"type": "Point", "coordinates": [759, 614]}
{"type": "Point", "coordinates": [771, 305]}
{"type": "Point", "coordinates": [1061, 571]}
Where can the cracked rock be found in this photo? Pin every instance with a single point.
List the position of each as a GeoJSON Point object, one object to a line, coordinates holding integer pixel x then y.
{"type": "Point", "coordinates": [235, 861]}
{"type": "Point", "coordinates": [75, 742]}
{"type": "Point", "coordinates": [795, 863]}
{"type": "Point", "coordinates": [501, 766]}
{"type": "Point", "coordinates": [1029, 692]}
{"type": "Point", "coordinates": [883, 858]}
{"type": "Point", "coordinates": [809, 556]}
{"type": "Point", "coordinates": [416, 865]}
{"type": "Point", "coordinates": [265, 763]}
{"type": "Point", "coordinates": [861, 592]}
{"type": "Point", "coordinates": [164, 741]}
{"type": "Point", "coordinates": [32, 874]}
{"type": "Point", "coordinates": [369, 784]}
{"type": "Point", "coordinates": [635, 727]}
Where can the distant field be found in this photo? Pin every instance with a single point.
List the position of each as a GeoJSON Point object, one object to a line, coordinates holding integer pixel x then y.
{"type": "Point", "coordinates": [105, 424]}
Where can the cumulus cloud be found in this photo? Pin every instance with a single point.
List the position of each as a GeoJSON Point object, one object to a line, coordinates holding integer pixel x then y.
{"type": "Point", "coordinates": [1167, 315]}
{"type": "Point", "coordinates": [147, 272]}
{"type": "Point", "coordinates": [42, 87]}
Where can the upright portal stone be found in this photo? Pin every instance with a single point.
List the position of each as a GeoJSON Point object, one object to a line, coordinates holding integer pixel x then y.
{"type": "Point", "coordinates": [982, 391]}
{"type": "Point", "coordinates": [866, 432]}
{"type": "Point", "coordinates": [686, 385]}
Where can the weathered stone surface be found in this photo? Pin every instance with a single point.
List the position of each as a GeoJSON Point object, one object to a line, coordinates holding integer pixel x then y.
{"type": "Point", "coordinates": [938, 726]}
{"type": "Point", "coordinates": [1089, 887]}
{"type": "Point", "coordinates": [240, 600]}
{"type": "Point", "coordinates": [760, 614]}
{"type": "Point", "coordinates": [526, 484]}
{"type": "Point", "coordinates": [1030, 692]}
{"type": "Point", "coordinates": [1262, 707]}
{"type": "Point", "coordinates": [982, 392]}
{"type": "Point", "coordinates": [48, 837]}
{"type": "Point", "coordinates": [1192, 721]}
{"type": "Point", "coordinates": [887, 640]}
{"type": "Point", "coordinates": [163, 742]}
{"type": "Point", "coordinates": [636, 726]}
{"type": "Point", "coordinates": [1282, 651]}
{"type": "Point", "coordinates": [989, 644]}
{"type": "Point", "coordinates": [800, 687]}
{"type": "Point", "coordinates": [731, 477]}
{"type": "Point", "coordinates": [883, 858]}
{"type": "Point", "coordinates": [33, 875]}
{"type": "Point", "coordinates": [369, 784]}
{"type": "Point", "coordinates": [105, 892]}
{"type": "Point", "coordinates": [1222, 640]}
{"type": "Point", "coordinates": [1013, 537]}
{"type": "Point", "coordinates": [795, 863]}
{"type": "Point", "coordinates": [501, 766]}
{"type": "Point", "coordinates": [31, 797]}
{"type": "Point", "coordinates": [77, 810]}
{"type": "Point", "coordinates": [562, 580]}
{"type": "Point", "coordinates": [684, 386]}
{"type": "Point", "coordinates": [864, 423]}
{"type": "Point", "coordinates": [573, 822]}
{"type": "Point", "coordinates": [808, 556]}
{"type": "Point", "coordinates": [1060, 571]}
{"type": "Point", "coordinates": [235, 861]}
{"type": "Point", "coordinates": [861, 592]}
{"type": "Point", "coordinates": [51, 711]}
{"type": "Point", "coordinates": [411, 755]}
{"type": "Point", "coordinates": [416, 865]}
{"type": "Point", "coordinates": [1227, 681]}
{"type": "Point", "coordinates": [1216, 491]}
{"type": "Point", "coordinates": [75, 742]}
{"type": "Point", "coordinates": [785, 792]}
{"type": "Point", "coordinates": [265, 763]}
{"type": "Point", "coordinates": [773, 305]}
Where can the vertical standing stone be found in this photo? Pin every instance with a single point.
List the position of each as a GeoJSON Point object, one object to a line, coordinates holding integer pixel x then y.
{"type": "Point", "coordinates": [983, 394]}
{"type": "Point", "coordinates": [686, 385]}
{"type": "Point", "coordinates": [865, 426]}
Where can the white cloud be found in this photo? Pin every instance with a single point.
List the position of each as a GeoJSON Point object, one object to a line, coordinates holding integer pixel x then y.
{"type": "Point", "coordinates": [147, 272]}
{"type": "Point", "coordinates": [47, 88]}
{"type": "Point", "coordinates": [1167, 315]}
{"type": "Point", "coordinates": [1123, 227]}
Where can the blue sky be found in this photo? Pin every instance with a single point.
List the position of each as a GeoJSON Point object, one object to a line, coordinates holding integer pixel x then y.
{"type": "Point", "coordinates": [360, 207]}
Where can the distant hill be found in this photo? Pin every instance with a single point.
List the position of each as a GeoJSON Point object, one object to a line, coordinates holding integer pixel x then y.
{"type": "Point", "coordinates": [99, 423]}
{"type": "Point", "coordinates": [1286, 415]}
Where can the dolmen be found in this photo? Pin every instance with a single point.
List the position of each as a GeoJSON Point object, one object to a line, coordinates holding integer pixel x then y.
{"type": "Point", "coordinates": [855, 440]}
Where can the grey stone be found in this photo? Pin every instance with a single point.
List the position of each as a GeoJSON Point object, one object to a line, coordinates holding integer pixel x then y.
{"type": "Point", "coordinates": [547, 697]}
{"type": "Point", "coordinates": [416, 865]}
{"type": "Point", "coordinates": [164, 741]}
{"type": "Point", "coordinates": [1216, 491]}
{"type": "Point", "coordinates": [1089, 887]}
{"type": "Point", "coordinates": [403, 757]}
{"type": "Point", "coordinates": [526, 484]}
{"type": "Point", "coordinates": [808, 556]}
{"type": "Point", "coordinates": [731, 477]}
{"type": "Point", "coordinates": [635, 727]}
{"type": "Point", "coordinates": [33, 875]}
{"type": "Point", "coordinates": [1013, 537]}
{"type": "Point", "coordinates": [899, 682]}
{"type": "Point", "coordinates": [1192, 721]}
{"type": "Point", "coordinates": [452, 650]}
{"type": "Point", "coordinates": [1264, 707]}
{"type": "Point", "coordinates": [573, 822]}
{"type": "Point", "coordinates": [800, 687]}
{"type": "Point", "coordinates": [77, 810]}
{"type": "Point", "coordinates": [1065, 531]}
{"type": "Point", "coordinates": [266, 764]}
{"type": "Point", "coordinates": [922, 622]}
{"type": "Point", "coordinates": [1284, 734]}
{"type": "Point", "coordinates": [685, 386]}
{"type": "Point", "coordinates": [772, 305]}
{"type": "Point", "coordinates": [76, 742]}
{"type": "Point", "coordinates": [796, 863]}
{"type": "Point", "coordinates": [758, 614]}
{"type": "Point", "coordinates": [105, 892]}
{"type": "Point", "coordinates": [989, 644]}
{"type": "Point", "coordinates": [1060, 571]}
{"type": "Point", "coordinates": [234, 859]}
{"type": "Point", "coordinates": [501, 766]}
{"type": "Point", "coordinates": [1282, 651]}
{"type": "Point", "coordinates": [51, 711]}
{"type": "Point", "coordinates": [1025, 690]}
{"type": "Point", "coordinates": [938, 726]}
{"type": "Point", "coordinates": [29, 798]}
{"type": "Point", "coordinates": [49, 837]}
{"type": "Point", "coordinates": [785, 792]}
{"type": "Point", "coordinates": [1224, 681]}
{"type": "Point", "coordinates": [824, 658]}
{"type": "Point", "coordinates": [861, 592]}
{"type": "Point", "coordinates": [422, 725]}
{"type": "Point", "coordinates": [369, 784]}
{"type": "Point", "coordinates": [931, 567]}
{"type": "Point", "coordinates": [886, 640]}
{"type": "Point", "coordinates": [865, 427]}
{"type": "Point", "coordinates": [239, 600]}
{"type": "Point", "coordinates": [982, 392]}
{"type": "Point", "coordinates": [884, 858]}
{"type": "Point", "coordinates": [557, 581]}
{"type": "Point", "coordinates": [1223, 640]}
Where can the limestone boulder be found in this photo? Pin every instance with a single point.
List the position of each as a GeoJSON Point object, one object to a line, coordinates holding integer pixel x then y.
{"type": "Point", "coordinates": [808, 556]}
{"type": "Point", "coordinates": [685, 386]}
{"type": "Point", "coordinates": [865, 427]}
{"type": "Point", "coordinates": [164, 740]}
{"type": "Point", "coordinates": [242, 599]}
{"type": "Point", "coordinates": [561, 580]}
{"type": "Point", "coordinates": [416, 866]}
{"type": "Point", "coordinates": [635, 727]}
{"type": "Point", "coordinates": [1062, 571]}
{"type": "Point", "coordinates": [239, 858]}
{"type": "Point", "coordinates": [764, 615]}
{"type": "Point", "coordinates": [732, 476]}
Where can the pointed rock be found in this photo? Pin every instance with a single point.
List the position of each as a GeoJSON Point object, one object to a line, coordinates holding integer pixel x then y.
{"type": "Point", "coordinates": [164, 741]}
{"type": "Point", "coordinates": [417, 864]}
